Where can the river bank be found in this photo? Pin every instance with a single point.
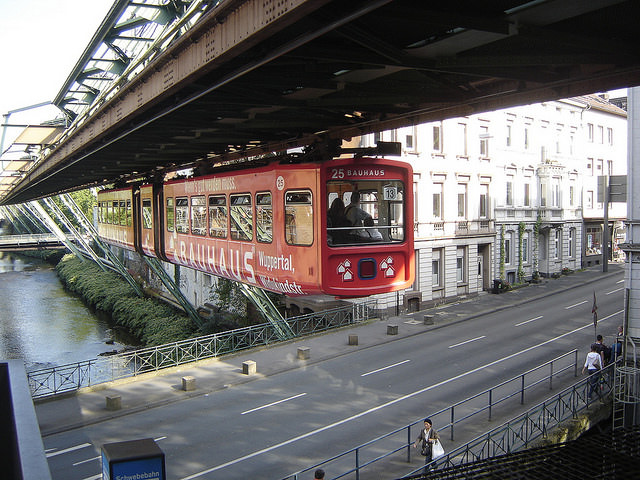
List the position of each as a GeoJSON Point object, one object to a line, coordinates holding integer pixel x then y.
{"type": "Point", "coordinates": [149, 320]}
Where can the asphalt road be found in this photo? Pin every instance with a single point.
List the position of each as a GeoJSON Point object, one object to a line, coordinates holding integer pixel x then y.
{"type": "Point", "coordinates": [279, 424]}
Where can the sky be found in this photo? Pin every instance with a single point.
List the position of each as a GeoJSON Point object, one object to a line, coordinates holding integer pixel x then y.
{"type": "Point", "coordinates": [40, 43]}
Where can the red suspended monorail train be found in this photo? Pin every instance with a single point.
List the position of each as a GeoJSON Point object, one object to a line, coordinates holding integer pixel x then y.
{"type": "Point", "coordinates": [278, 226]}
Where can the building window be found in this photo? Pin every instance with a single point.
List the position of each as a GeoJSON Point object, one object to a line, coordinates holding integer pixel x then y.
{"type": "Point", "coordinates": [509, 199]}
{"type": "Point", "coordinates": [571, 194]}
{"type": "Point", "coordinates": [462, 200]}
{"type": "Point", "coordinates": [462, 140]}
{"type": "Point", "coordinates": [527, 197]}
{"type": "Point", "coordinates": [590, 132]}
{"type": "Point", "coordinates": [590, 166]}
{"type": "Point", "coordinates": [484, 201]}
{"type": "Point", "coordinates": [609, 167]}
{"type": "Point", "coordinates": [571, 245]}
{"type": "Point", "coordinates": [507, 248]}
{"type": "Point", "coordinates": [555, 192]}
{"type": "Point", "coordinates": [484, 141]}
{"type": "Point", "coordinates": [526, 139]}
{"type": "Point", "coordinates": [599, 167]}
{"type": "Point", "coordinates": [557, 243]}
{"type": "Point", "coordinates": [408, 142]}
{"type": "Point", "coordinates": [508, 135]}
{"type": "Point", "coordinates": [525, 247]}
{"type": "Point", "coordinates": [589, 199]}
{"type": "Point", "coordinates": [437, 201]}
{"type": "Point", "coordinates": [460, 263]}
{"type": "Point", "coordinates": [600, 134]}
{"type": "Point", "coordinates": [610, 136]}
{"type": "Point", "coordinates": [437, 138]}
{"type": "Point", "coordinates": [543, 194]}
{"type": "Point", "coordinates": [436, 265]}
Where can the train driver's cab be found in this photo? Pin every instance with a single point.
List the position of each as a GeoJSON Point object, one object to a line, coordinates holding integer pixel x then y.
{"type": "Point", "coordinates": [365, 212]}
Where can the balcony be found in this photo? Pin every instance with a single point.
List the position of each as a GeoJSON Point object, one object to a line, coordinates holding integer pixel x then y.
{"type": "Point", "coordinates": [454, 228]}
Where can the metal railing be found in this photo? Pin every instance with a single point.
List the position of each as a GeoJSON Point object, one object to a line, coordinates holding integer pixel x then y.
{"type": "Point", "coordinates": [352, 462]}
{"type": "Point", "coordinates": [65, 378]}
{"type": "Point", "coordinates": [520, 432]}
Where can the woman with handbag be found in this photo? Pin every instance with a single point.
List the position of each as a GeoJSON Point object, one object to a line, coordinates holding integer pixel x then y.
{"type": "Point", "coordinates": [427, 438]}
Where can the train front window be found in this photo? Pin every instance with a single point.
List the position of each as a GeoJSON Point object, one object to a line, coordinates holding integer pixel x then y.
{"type": "Point", "coordinates": [365, 211]}
{"type": "Point", "coordinates": [298, 214]}
{"type": "Point", "coordinates": [198, 215]}
{"type": "Point", "coordinates": [264, 217]}
{"type": "Point", "coordinates": [182, 215]}
{"type": "Point", "coordinates": [218, 216]}
{"type": "Point", "coordinates": [241, 216]}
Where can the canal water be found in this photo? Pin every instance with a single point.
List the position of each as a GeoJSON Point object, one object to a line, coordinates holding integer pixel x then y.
{"type": "Point", "coordinates": [43, 324]}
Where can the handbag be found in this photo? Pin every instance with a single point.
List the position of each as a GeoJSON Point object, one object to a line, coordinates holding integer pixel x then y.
{"type": "Point", "coordinates": [436, 450]}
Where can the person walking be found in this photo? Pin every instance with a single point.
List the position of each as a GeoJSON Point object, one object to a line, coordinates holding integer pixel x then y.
{"type": "Point", "coordinates": [426, 438]}
{"type": "Point", "coordinates": [593, 364]}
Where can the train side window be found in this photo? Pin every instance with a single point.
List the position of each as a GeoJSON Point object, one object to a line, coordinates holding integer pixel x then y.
{"type": "Point", "coordinates": [122, 218]}
{"type": "Point", "coordinates": [129, 220]}
{"type": "Point", "coordinates": [109, 218]}
{"type": "Point", "coordinates": [101, 212]}
{"type": "Point", "coordinates": [298, 212]}
{"type": "Point", "coordinates": [198, 215]}
{"type": "Point", "coordinates": [171, 215]}
{"type": "Point", "coordinates": [115, 219]}
{"type": "Point", "coordinates": [182, 215]}
{"type": "Point", "coordinates": [264, 217]}
{"type": "Point", "coordinates": [147, 217]}
{"type": "Point", "coordinates": [241, 217]}
{"type": "Point", "coordinates": [218, 216]}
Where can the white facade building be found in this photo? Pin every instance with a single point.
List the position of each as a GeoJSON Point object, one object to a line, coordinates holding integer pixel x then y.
{"type": "Point", "coordinates": [501, 196]}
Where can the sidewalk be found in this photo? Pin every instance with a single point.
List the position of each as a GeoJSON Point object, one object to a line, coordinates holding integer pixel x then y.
{"type": "Point", "coordinates": [153, 390]}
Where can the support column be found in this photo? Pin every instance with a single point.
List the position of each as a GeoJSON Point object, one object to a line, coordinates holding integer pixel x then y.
{"type": "Point", "coordinates": [632, 242]}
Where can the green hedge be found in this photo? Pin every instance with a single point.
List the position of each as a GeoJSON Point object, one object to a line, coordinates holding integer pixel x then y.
{"type": "Point", "coordinates": [151, 321]}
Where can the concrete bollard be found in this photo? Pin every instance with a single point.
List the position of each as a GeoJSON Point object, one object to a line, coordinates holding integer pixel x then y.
{"type": "Point", "coordinates": [353, 339]}
{"type": "Point", "coordinates": [428, 319]}
{"type": "Point", "coordinates": [392, 329]}
{"type": "Point", "coordinates": [304, 353]}
{"type": "Point", "coordinates": [249, 367]}
{"type": "Point", "coordinates": [114, 402]}
{"type": "Point", "coordinates": [188, 383]}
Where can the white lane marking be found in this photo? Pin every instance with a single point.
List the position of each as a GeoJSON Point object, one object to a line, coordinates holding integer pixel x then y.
{"type": "Point", "coordinates": [272, 404]}
{"type": "Point", "coordinates": [384, 368]}
{"type": "Point", "coordinates": [620, 281]}
{"type": "Point", "coordinates": [575, 305]}
{"type": "Point", "coordinates": [614, 291]}
{"type": "Point", "coordinates": [466, 341]}
{"type": "Point", "coordinates": [384, 405]}
{"type": "Point", "coordinates": [527, 321]}
{"type": "Point", "coordinates": [67, 450]}
{"type": "Point", "coordinates": [86, 461]}
{"type": "Point", "coordinates": [95, 477]}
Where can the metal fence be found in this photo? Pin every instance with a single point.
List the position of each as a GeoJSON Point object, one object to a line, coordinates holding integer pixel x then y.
{"type": "Point", "coordinates": [65, 378]}
{"type": "Point", "coordinates": [384, 450]}
{"type": "Point", "coordinates": [520, 432]}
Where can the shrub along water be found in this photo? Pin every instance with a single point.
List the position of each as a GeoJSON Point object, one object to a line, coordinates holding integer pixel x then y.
{"type": "Point", "coordinates": [151, 321]}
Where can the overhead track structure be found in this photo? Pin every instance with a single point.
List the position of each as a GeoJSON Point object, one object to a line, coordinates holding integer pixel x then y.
{"type": "Point", "coordinates": [244, 78]}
